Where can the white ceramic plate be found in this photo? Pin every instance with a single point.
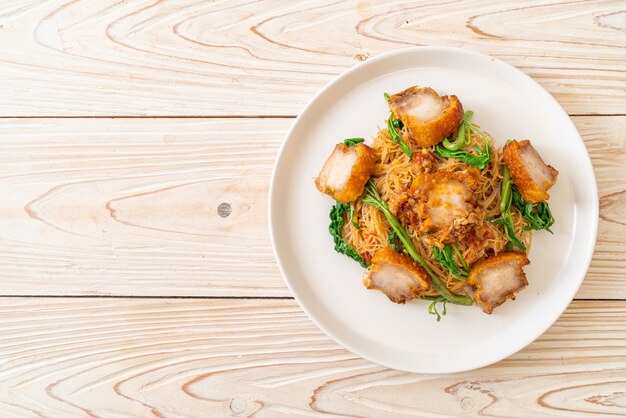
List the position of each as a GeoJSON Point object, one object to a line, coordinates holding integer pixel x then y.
{"type": "Point", "coordinates": [328, 286]}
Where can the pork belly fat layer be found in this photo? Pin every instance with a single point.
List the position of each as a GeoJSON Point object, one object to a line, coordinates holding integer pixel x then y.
{"type": "Point", "coordinates": [532, 176]}
{"type": "Point", "coordinates": [422, 105]}
{"type": "Point", "coordinates": [497, 279]}
{"type": "Point", "coordinates": [429, 117]}
{"type": "Point", "coordinates": [336, 173]}
{"type": "Point", "coordinates": [346, 171]}
{"type": "Point", "coordinates": [396, 276]}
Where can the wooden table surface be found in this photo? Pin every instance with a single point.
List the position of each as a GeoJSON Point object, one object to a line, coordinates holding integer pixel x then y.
{"type": "Point", "coordinates": [125, 125]}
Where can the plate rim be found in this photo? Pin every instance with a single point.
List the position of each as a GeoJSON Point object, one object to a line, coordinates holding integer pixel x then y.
{"type": "Point", "coordinates": [411, 50]}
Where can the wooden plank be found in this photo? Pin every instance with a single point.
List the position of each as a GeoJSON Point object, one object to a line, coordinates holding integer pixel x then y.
{"type": "Point", "coordinates": [606, 144]}
{"type": "Point", "coordinates": [131, 207]}
{"type": "Point", "coordinates": [265, 358]}
{"type": "Point", "coordinates": [187, 57]}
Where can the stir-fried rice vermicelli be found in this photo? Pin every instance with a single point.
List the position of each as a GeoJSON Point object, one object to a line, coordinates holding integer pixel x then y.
{"type": "Point", "coordinates": [431, 209]}
{"type": "Point", "coordinates": [393, 173]}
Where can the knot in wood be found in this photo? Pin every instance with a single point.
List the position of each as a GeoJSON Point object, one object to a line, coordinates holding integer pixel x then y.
{"type": "Point", "coordinates": [224, 209]}
{"type": "Point", "coordinates": [467, 403]}
{"type": "Point", "coordinates": [238, 406]}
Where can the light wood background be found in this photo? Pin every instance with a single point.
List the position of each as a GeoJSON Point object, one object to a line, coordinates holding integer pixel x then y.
{"type": "Point", "coordinates": [124, 125]}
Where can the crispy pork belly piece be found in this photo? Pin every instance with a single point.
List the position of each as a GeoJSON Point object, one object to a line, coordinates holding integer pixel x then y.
{"type": "Point", "coordinates": [531, 175]}
{"type": "Point", "coordinates": [346, 171]}
{"type": "Point", "coordinates": [429, 117]}
{"type": "Point", "coordinates": [438, 200]}
{"type": "Point", "coordinates": [497, 278]}
{"type": "Point", "coordinates": [396, 275]}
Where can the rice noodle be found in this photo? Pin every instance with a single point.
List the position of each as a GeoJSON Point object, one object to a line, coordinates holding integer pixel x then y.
{"type": "Point", "coordinates": [393, 175]}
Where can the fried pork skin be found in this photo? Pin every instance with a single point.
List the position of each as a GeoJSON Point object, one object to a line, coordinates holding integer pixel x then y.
{"type": "Point", "coordinates": [346, 171]}
{"type": "Point", "coordinates": [532, 176]}
{"type": "Point", "coordinates": [441, 198]}
{"type": "Point", "coordinates": [396, 275]}
{"type": "Point", "coordinates": [498, 278]}
{"type": "Point", "coordinates": [430, 117]}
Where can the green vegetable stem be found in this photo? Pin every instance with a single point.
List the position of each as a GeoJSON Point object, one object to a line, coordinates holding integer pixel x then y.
{"type": "Point", "coordinates": [432, 308]}
{"type": "Point", "coordinates": [392, 124]}
{"type": "Point", "coordinates": [445, 257]}
{"type": "Point", "coordinates": [372, 198]}
{"type": "Point", "coordinates": [452, 148]}
{"type": "Point", "coordinates": [353, 141]}
{"type": "Point", "coordinates": [463, 136]}
{"type": "Point", "coordinates": [505, 208]}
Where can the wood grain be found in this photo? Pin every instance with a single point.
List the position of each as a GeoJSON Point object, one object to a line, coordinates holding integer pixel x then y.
{"type": "Point", "coordinates": [177, 207]}
{"type": "Point", "coordinates": [184, 57]}
{"type": "Point", "coordinates": [218, 358]}
{"type": "Point", "coordinates": [607, 148]}
{"type": "Point", "coordinates": [130, 207]}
